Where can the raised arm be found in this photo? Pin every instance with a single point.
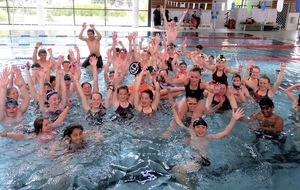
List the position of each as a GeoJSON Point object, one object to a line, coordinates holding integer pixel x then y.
{"type": "Point", "coordinates": [33, 92]}
{"type": "Point", "coordinates": [156, 95]}
{"type": "Point", "coordinates": [162, 10]}
{"type": "Point", "coordinates": [235, 116]}
{"type": "Point", "coordinates": [234, 71]}
{"type": "Point", "coordinates": [62, 115]}
{"type": "Point", "coordinates": [93, 62]}
{"type": "Point", "coordinates": [84, 101]}
{"type": "Point", "coordinates": [41, 91]}
{"type": "Point", "coordinates": [19, 81]}
{"type": "Point", "coordinates": [176, 117]}
{"type": "Point", "coordinates": [81, 32]}
{"type": "Point", "coordinates": [279, 79]}
{"type": "Point", "coordinates": [137, 84]}
{"type": "Point", "coordinates": [34, 55]}
{"type": "Point", "coordinates": [289, 93]}
{"type": "Point", "coordinates": [181, 19]}
{"type": "Point", "coordinates": [4, 80]}
{"type": "Point", "coordinates": [96, 31]}
{"type": "Point", "coordinates": [245, 76]}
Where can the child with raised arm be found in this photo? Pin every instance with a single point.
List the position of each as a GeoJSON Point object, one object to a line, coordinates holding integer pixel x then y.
{"type": "Point", "coordinates": [10, 109]}
{"type": "Point", "coordinates": [199, 143]}
{"type": "Point", "coordinates": [43, 129]}
{"type": "Point", "coordinates": [93, 44]}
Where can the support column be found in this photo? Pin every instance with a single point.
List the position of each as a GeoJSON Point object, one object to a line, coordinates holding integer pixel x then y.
{"type": "Point", "coordinates": [135, 14]}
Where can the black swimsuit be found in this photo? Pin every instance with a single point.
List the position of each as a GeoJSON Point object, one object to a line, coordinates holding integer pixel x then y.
{"type": "Point", "coordinates": [198, 93]}
{"type": "Point", "coordinates": [222, 79]}
{"type": "Point", "coordinates": [125, 112]}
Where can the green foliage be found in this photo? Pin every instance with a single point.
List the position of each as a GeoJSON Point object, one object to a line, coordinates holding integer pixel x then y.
{"type": "Point", "coordinates": [61, 12]}
{"type": "Point", "coordinates": [116, 13]}
{"type": "Point", "coordinates": [142, 16]}
{"type": "Point", "coordinates": [3, 15]}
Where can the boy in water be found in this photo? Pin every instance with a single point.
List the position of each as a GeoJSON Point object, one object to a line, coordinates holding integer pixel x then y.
{"type": "Point", "coordinates": [270, 125]}
{"type": "Point", "coordinates": [93, 44]}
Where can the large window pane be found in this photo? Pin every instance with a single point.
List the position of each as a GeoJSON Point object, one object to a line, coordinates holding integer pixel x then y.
{"type": "Point", "coordinates": [23, 15]}
{"type": "Point", "coordinates": [21, 3]}
{"type": "Point", "coordinates": [143, 18]}
{"type": "Point", "coordinates": [143, 5]}
{"type": "Point", "coordinates": [3, 16]}
{"type": "Point", "coordinates": [119, 18]}
{"type": "Point", "coordinates": [89, 4]}
{"type": "Point", "coordinates": [59, 16]}
{"type": "Point", "coordinates": [89, 16]}
{"type": "Point", "coordinates": [57, 3]}
{"type": "Point", "coordinates": [119, 4]}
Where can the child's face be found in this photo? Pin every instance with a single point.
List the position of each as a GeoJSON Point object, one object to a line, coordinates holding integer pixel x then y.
{"type": "Point", "coordinates": [46, 125]}
{"type": "Point", "coordinates": [76, 136]}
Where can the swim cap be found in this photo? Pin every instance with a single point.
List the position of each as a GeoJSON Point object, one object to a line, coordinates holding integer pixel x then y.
{"type": "Point", "coordinates": [50, 93]}
{"type": "Point", "coordinates": [135, 68]}
{"type": "Point", "coordinates": [266, 102]}
{"type": "Point", "coordinates": [221, 58]}
{"type": "Point", "coordinates": [199, 121]}
{"type": "Point", "coordinates": [11, 103]}
{"type": "Point", "coordinates": [67, 77]}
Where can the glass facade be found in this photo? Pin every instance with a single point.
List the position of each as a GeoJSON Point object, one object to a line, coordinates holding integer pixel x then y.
{"type": "Point", "coordinates": [73, 12]}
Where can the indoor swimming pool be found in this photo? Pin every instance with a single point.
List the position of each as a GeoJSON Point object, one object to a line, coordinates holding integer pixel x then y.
{"type": "Point", "coordinates": [134, 155]}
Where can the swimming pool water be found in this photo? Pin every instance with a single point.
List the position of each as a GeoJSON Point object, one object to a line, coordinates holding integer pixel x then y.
{"type": "Point", "coordinates": [135, 156]}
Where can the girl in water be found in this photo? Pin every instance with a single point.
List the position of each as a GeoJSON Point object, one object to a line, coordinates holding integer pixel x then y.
{"type": "Point", "coordinates": [199, 142]}
{"type": "Point", "coordinates": [254, 72]}
{"type": "Point", "coordinates": [74, 139]}
{"type": "Point", "coordinates": [43, 129]}
{"type": "Point", "coordinates": [122, 102]}
{"type": "Point", "coordinates": [146, 102]}
{"type": "Point", "coordinates": [96, 110]}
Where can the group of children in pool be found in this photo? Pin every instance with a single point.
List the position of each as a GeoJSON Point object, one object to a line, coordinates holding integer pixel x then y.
{"type": "Point", "coordinates": [154, 62]}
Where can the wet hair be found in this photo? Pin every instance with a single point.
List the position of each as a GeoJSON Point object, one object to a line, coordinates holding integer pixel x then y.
{"type": "Point", "coordinates": [254, 67]}
{"type": "Point", "coordinates": [236, 76]}
{"type": "Point", "coordinates": [38, 124]}
{"type": "Point", "coordinates": [299, 100]}
{"type": "Point", "coordinates": [265, 77]}
{"type": "Point", "coordinates": [65, 61]}
{"type": "Point", "coordinates": [84, 83]}
{"type": "Point", "coordinates": [182, 63]}
{"type": "Point", "coordinates": [36, 65]}
{"type": "Point", "coordinates": [199, 121]}
{"type": "Point", "coordinates": [164, 70]}
{"type": "Point", "coordinates": [52, 78]}
{"type": "Point", "coordinates": [196, 69]}
{"type": "Point", "coordinates": [264, 102]}
{"type": "Point", "coordinates": [93, 93]}
{"type": "Point", "coordinates": [46, 83]}
{"type": "Point", "coordinates": [123, 50]}
{"type": "Point", "coordinates": [91, 30]}
{"type": "Point", "coordinates": [111, 72]}
{"type": "Point", "coordinates": [67, 77]}
{"type": "Point", "coordinates": [69, 130]}
{"type": "Point", "coordinates": [149, 92]}
{"type": "Point", "coordinates": [9, 89]}
{"type": "Point", "coordinates": [157, 6]}
{"type": "Point", "coordinates": [148, 52]}
{"type": "Point", "coordinates": [117, 49]}
{"type": "Point", "coordinates": [199, 47]}
{"type": "Point", "coordinates": [42, 51]}
{"type": "Point", "coordinates": [124, 87]}
{"type": "Point", "coordinates": [212, 56]}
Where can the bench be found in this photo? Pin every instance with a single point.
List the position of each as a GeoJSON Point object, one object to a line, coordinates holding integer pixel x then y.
{"type": "Point", "coordinates": [252, 27]}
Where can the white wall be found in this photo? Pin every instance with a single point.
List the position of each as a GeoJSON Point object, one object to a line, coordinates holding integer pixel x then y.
{"type": "Point", "coordinates": [292, 21]}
